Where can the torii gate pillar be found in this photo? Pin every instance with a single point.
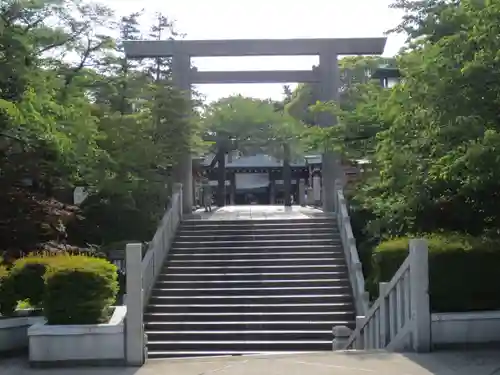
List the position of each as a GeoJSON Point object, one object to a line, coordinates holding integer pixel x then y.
{"type": "Point", "coordinates": [329, 83]}
{"type": "Point", "coordinates": [183, 170]}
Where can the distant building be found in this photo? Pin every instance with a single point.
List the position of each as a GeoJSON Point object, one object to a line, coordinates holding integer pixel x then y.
{"type": "Point", "coordinates": [389, 77]}
{"type": "Point", "coordinates": [260, 177]}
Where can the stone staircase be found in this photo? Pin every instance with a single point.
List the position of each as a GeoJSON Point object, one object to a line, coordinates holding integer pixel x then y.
{"type": "Point", "coordinates": [233, 287]}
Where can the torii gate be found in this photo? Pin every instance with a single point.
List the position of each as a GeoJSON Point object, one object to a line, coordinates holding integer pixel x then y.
{"type": "Point", "coordinates": [326, 75]}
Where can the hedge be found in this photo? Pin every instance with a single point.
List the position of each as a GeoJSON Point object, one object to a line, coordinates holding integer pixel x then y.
{"type": "Point", "coordinates": [79, 290]}
{"type": "Point", "coordinates": [26, 275]}
{"type": "Point", "coordinates": [463, 270]}
{"type": "Point", "coordinates": [72, 289]}
{"type": "Point", "coordinates": [26, 278]}
{"type": "Point", "coordinates": [7, 299]}
{"type": "Point", "coordinates": [4, 272]}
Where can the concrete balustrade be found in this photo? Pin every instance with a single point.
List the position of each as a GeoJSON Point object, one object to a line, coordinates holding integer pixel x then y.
{"type": "Point", "coordinates": [142, 274]}
{"type": "Point", "coordinates": [400, 318]}
{"type": "Point", "coordinates": [361, 296]}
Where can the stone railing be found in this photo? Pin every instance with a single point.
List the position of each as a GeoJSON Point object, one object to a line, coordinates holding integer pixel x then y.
{"type": "Point", "coordinates": [355, 269]}
{"type": "Point", "coordinates": [160, 244]}
{"type": "Point", "coordinates": [400, 318]}
{"type": "Point", "coordinates": [142, 274]}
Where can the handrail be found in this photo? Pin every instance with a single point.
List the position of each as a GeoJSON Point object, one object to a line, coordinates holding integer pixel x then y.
{"type": "Point", "coordinates": [142, 273]}
{"type": "Point", "coordinates": [372, 329]}
{"type": "Point", "coordinates": [160, 245]}
{"type": "Point", "coordinates": [400, 318]}
{"type": "Point", "coordinates": [355, 269]}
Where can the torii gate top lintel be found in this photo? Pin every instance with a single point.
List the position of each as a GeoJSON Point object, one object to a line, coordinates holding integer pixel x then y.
{"type": "Point", "coordinates": [254, 47]}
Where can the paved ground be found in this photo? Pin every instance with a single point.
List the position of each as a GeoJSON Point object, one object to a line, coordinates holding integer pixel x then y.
{"type": "Point", "coordinates": [353, 363]}
{"type": "Point", "coordinates": [257, 212]}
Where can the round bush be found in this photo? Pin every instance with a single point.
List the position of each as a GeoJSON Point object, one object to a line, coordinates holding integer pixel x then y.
{"type": "Point", "coordinates": [462, 270]}
{"type": "Point", "coordinates": [79, 290]}
{"type": "Point", "coordinates": [8, 300]}
{"type": "Point", "coordinates": [27, 277]}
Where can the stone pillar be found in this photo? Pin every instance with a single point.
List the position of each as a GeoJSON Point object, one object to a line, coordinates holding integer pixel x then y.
{"type": "Point", "coordinates": [232, 194]}
{"type": "Point", "coordinates": [316, 193]}
{"type": "Point", "coordinates": [384, 323]}
{"type": "Point", "coordinates": [272, 189]}
{"type": "Point", "coordinates": [331, 172]}
{"type": "Point", "coordinates": [181, 71]}
{"type": "Point", "coordinates": [134, 332]}
{"type": "Point", "coordinates": [328, 91]}
{"type": "Point", "coordinates": [419, 294]}
{"type": "Point", "coordinates": [302, 192]}
{"type": "Point", "coordinates": [287, 175]}
{"type": "Point", "coordinates": [220, 196]}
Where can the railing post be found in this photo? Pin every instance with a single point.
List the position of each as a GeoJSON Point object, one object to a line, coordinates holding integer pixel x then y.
{"type": "Point", "coordinates": [383, 314]}
{"type": "Point", "coordinates": [178, 188]}
{"type": "Point", "coordinates": [341, 335]}
{"type": "Point", "coordinates": [419, 294]}
{"type": "Point", "coordinates": [134, 330]}
{"type": "Point", "coordinates": [338, 187]}
{"type": "Point", "coordinates": [365, 301]}
{"type": "Point", "coordinates": [360, 341]}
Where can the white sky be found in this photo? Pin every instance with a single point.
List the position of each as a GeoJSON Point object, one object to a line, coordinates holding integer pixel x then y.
{"type": "Point", "coordinates": [269, 19]}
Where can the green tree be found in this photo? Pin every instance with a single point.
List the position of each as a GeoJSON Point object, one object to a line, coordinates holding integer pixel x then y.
{"type": "Point", "coordinates": [353, 70]}
{"type": "Point", "coordinates": [258, 126]}
{"type": "Point", "coordinates": [437, 158]}
{"type": "Point", "coordinates": [74, 111]}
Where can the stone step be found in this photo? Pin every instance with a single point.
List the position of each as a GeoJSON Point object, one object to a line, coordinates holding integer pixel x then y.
{"type": "Point", "coordinates": [253, 276]}
{"type": "Point", "coordinates": [257, 221]}
{"type": "Point", "coordinates": [242, 227]}
{"type": "Point", "coordinates": [235, 291]}
{"type": "Point", "coordinates": [334, 248]}
{"type": "Point", "coordinates": [243, 236]}
{"type": "Point", "coordinates": [264, 283]}
{"type": "Point", "coordinates": [250, 286]}
{"type": "Point", "coordinates": [255, 263]}
{"type": "Point", "coordinates": [256, 243]}
{"type": "Point", "coordinates": [248, 316]}
{"type": "Point", "coordinates": [281, 345]}
{"type": "Point", "coordinates": [245, 268]}
{"type": "Point", "coordinates": [250, 299]}
{"type": "Point", "coordinates": [161, 354]}
{"type": "Point", "coordinates": [236, 335]}
{"type": "Point", "coordinates": [256, 307]}
{"type": "Point", "coordinates": [241, 325]}
{"type": "Point", "coordinates": [234, 256]}
{"type": "Point", "coordinates": [218, 231]}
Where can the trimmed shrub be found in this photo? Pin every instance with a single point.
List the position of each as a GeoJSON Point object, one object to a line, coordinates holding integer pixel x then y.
{"type": "Point", "coordinates": [79, 290]}
{"type": "Point", "coordinates": [4, 272]}
{"type": "Point", "coordinates": [27, 277]}
{"type": "Point", "coordinates": [8, 299]}
{"type": "Point", "coordinates": [462, 270]}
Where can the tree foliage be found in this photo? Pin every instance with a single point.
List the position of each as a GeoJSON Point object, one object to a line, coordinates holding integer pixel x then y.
{"type": "Point", "coordinates": [438, 139]}
{"type": "Point", "coordinates": [353, 70]}
{"type": "Point", "coordinates": [75, 112]}
{"type": "Point", "coordinates": [257, 126]}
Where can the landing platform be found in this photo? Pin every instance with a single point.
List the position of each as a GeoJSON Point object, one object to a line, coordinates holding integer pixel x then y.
{"type": "Point", "coordinates": [257, 212]}
{"type": "Point", "coordinates": [326, 363]}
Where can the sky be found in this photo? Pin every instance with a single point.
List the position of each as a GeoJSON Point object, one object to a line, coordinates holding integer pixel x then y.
{"type": "Point", "coordinates": [268, 19]}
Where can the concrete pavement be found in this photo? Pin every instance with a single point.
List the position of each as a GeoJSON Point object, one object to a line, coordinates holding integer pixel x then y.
{"type": "Point", "coordinates": [257, 212]}
{"type": "Point", "coordinates": [325, 363]}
